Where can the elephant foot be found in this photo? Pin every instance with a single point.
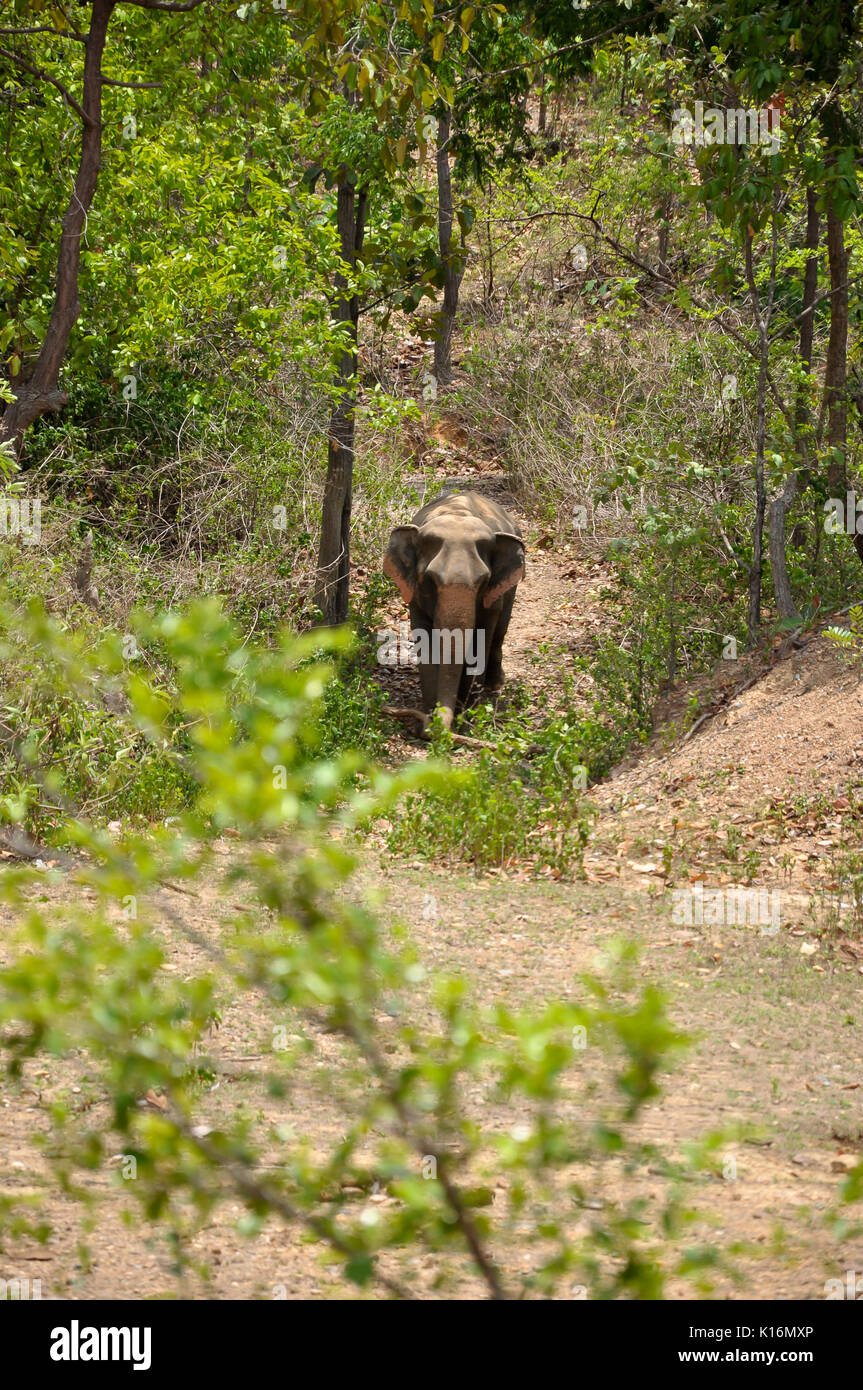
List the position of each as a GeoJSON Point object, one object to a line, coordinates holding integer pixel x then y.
{"type": "Point", "coordinates": [445, 716]}
{"type": "Point", "coordinates": [494, 681]}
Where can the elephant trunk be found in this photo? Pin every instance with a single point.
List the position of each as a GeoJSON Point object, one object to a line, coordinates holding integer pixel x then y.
{"type": "Point", "coordinates": [454, 624]}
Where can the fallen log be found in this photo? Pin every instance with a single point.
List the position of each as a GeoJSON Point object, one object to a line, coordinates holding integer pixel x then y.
{"type": "Point", "coordinates": [461, 740]}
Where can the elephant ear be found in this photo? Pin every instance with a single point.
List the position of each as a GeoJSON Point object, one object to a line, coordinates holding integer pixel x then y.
{"type": "Point", "coordinates": [508, 568]}
{"type": "Point", "coordinates": [400, 561]}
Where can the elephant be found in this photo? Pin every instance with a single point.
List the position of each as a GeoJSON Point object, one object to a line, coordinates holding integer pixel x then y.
{"type": "Point", "coordinates": [457, 566]}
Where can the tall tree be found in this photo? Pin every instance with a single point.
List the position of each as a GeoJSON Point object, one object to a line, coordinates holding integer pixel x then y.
{"type": "Point", "coordinates": [453, 258]}
{"type": "Point", "coordinates": [332, 589]}
{"type": "Point", "coordinates": [780, 504]}
{"type": "Point", "coordinates": [836, 365]}
{"type": "Point", "coordinates": [40, 393]}
{"type": "Point", "coordinates": [389, 81]}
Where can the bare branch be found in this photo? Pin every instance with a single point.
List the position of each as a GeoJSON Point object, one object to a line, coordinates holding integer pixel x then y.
{"type": "Point", "coordinates": [46, 29]}
{"type": "Point", "coordinates": [819, 299]}
{"type": "Point", "coordinates": [46, 77]}
{"type": "Point", "coordinates": [259, 1192]}
{"type": "Point", "coordinates": [542, 58]}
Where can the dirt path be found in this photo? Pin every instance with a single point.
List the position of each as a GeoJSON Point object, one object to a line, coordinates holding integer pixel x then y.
{"type": "Point", "coordinates": [771, 1055]}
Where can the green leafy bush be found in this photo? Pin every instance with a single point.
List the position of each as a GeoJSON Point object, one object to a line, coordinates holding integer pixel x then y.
{"type": "Point", "coordinates": [849, 640]}
{"type": "Point", "coordinates": [521, 802]}
{"type": "Point", "coordinates": [85, 982]}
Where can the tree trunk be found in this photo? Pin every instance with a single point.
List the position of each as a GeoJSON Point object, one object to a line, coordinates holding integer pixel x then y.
{"type": "Point", "coordinates": [488, 285]}
{"type": "Point", "coordinates": [785, 605]}
{"type": "Point", "coordinates": [453, 262]}
{"type": "Point", "coordinates": [664, 211]}
{"type": "Point", "coordinates": [40, 394]}
{"type": "Point", "coordinates": [762, 319]}
{"type": "Point", "coordinates": [835, 370]}
{"type": "Point", "coordinates": [755, 573]}
{"type": "Point", "coordinates": [332, 586]}
{"type": "Point", "coordinates": [810, 288]}
{"type": "Point", "coordinates": [623, 78]}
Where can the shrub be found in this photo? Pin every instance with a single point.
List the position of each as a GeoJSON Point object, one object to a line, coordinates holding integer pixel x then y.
{"type": "Point", "coordinates": [88, 985]}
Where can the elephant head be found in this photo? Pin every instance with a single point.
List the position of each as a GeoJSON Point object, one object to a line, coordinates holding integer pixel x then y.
{"type": "Point", "coordinates": [454, 568]}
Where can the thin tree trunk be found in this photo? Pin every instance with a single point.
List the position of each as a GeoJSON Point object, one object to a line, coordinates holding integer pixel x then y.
{"type": "Point", "coordinates": [453, 262]}
{"type": "Point", "coordinates": [785, 605]}
{"type": "Point", "coordinates": [756, 570]}
{"type": "Point", "coordinates": [835, 400]}
{"type": "Point", "coordinates": [332, 587]}
{"type": "Point", "coordinates": [671, 653]}
{"type": "Point", "coordinates": [836, 366]}
{"type": "Point", "coordinates": [623, 78]}
{"type": "Point", "coordinates": [488, 287]}
{"type": "Point", "coordinates": [664, 234]}
{"type": "Point", "coordinates": [41, 394]}
{"type": "Point", "coordinates": [664, 211]}
{"type": "Point", "coordinates": [810, 288]}
{"type": "Point", "coordinates": [762, 319]}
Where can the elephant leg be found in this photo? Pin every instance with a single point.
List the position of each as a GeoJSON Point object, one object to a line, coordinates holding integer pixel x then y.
{"type": "Point", "coordinates": [473, 676]}
{"type": "Point", "coordinates": [486, 628]}
{"type": "Point", "coordinates": [493, 678]}
{"type": "Point", "coordinates": [465, 689]}
{"type": "Point", "coordinates": [428, 672]}
{"type": "Point", "coordinates": [428, 686]}
{"type": "Point", "coordinates": [473, 682]}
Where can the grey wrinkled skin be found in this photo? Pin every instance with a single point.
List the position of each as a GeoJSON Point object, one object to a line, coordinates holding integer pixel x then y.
{"type": "Point", "coordinates": [457, 565]}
